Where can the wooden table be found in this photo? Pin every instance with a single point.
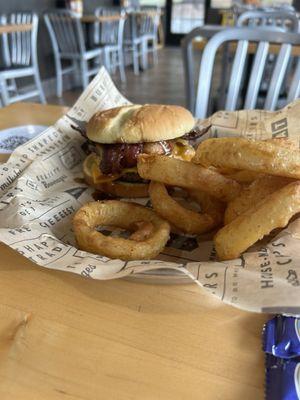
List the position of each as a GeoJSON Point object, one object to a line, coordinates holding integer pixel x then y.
{"type": "Point", "coordinates": [15, 28]}
{"type": "Point", "coordinates": [66, 337]}
{"type": "Point", "coordinates": [104, 18]}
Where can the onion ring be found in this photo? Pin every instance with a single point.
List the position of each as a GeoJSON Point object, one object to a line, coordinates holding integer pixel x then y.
{"type": "Point", "coordinates": [253, 194]}
{"type": "Point", "coordinates": [188, 175]}
{"type": "Point", "coordinates": [289, 143]}
{"type": "Point", "coordinates": [209, 205]}
{"type": "Point", "coordinates": [244, 177]}
{"type": "Point", "coordinates": [260, 156]}
{"type": "Point", "coordinates": [186, 220]}
{"type": "Point", "coordinates": [124, 215]}
{"type": "Point", "coordinates": [274, 211]}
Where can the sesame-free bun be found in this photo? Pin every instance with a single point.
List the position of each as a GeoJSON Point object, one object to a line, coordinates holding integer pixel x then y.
{"type": "Point", "coordinates": [138, 124]}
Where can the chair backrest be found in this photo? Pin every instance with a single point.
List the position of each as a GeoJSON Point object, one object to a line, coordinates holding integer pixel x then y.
{"type": "Point", "coordinates": [287, 20]}
{"type": "Point", "coordinates": [148, 21]}
{"type": "Point", "coordinates": [109, 32]}
{"type": "Point", "coordinates": [131, 31]}
{"type": "Point", "coordinates": [65, 30]}
{"type": "Point", "coordinates": [238, 9]}
{"type": "Point", "coordinates": [242, 38]}
{"type": "Point", "coordinates": [19, 49]}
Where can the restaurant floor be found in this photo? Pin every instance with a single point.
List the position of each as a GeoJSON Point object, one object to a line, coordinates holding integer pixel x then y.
{"type": "Point", "coordinates": [163, 83]}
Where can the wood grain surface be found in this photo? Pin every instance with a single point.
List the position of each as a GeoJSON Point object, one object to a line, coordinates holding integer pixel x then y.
{"type": "Point", "coordinates": [66, 337]}
{"type": "Point", "coordinates": [102, 18]}
{"type": "Point", "coordinates": [273, 48]}
{"type": "Point", "coordinates": [15, 28]}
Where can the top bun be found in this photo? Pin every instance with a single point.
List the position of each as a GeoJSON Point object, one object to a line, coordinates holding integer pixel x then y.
{"type": "Point", "coordinates": [137, 124]}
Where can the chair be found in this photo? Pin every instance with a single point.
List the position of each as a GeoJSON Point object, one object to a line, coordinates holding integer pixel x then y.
{"type": "Point", "coordinates": [238, 9]}
{"type": "Point", "coordinates": [19, 58]}
{"type": "Point", "coordinates": [242, 36]}
{"type": "Point", "coordinates": [268, 19]}
{"type": "Point", "coordinates": [149, 24]}
{"type": "Point", "coordinates": [67, 38]}
{"type": "Point", "coordinates": [282, 18]}
{"type": "Point", "coordinates": [205, 33]}
{"type": "Point", "coordinates": [109, 35]}
{"type": "Point", "coordinates": [134, 41]}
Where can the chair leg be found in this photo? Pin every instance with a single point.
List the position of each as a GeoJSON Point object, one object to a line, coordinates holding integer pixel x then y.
{"type": "Point", "coordinates": [75, 72]}
{"type": "Point", "coordinates": [155, 55]}
{"type": "Point", "coordinates": [38, 83]}
{"type": "Point", "coordinates": [84, 73]}
{"type": "Point", "coordinates": [59, 77]}
{"type": "Point", "coordinates": [4, 92]}
{"type": "Point", "coordinates": [107, 60]}
{"type": "Point", "coordinates": [145, 54]}
{"type": "Point", "coordinates": [114, 55]}
{"type": "Point", "coordinates": [121, 64]}
{"type": "Point", "coordinates": [135, 55]}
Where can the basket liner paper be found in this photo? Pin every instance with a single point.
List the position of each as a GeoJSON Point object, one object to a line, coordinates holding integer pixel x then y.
{"type": "Point", "coordinates": [41, 187]}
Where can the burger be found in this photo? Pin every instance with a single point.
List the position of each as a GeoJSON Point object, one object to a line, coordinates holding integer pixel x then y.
{"type": "Point", "coordinates": [116, 137]}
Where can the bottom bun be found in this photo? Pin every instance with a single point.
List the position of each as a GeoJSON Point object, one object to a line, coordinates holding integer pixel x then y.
{"type": "Point", "coordinates": [124, 189]}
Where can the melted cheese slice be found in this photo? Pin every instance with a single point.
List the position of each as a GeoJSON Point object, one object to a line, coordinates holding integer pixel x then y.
{"type": "Point", "coordinates": [92, 170]}
{"type": "Point", "coordinates": [183, 150]}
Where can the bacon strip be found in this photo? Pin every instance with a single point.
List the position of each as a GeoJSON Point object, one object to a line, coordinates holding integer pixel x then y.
{"type": "Point", "coordinates": [116, 157]}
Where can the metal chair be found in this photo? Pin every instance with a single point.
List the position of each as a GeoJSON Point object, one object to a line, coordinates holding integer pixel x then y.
{"type": "Point", "coordinates": [262, 19]}
{"type": "Point", "coordinates": [19, 58]}
{"type": "Point", "coordinates": [67, 38]}
{"type": "Point", "coordinates": [283, 18]}
{"type": "Point", "coordinates": [134, 41]}
{"type": "Point", "coordinates": [242, 36]}
{"type": "Point", "coordinates": [149, 31]}
{"type": "Point", "coordinates": [109, 35]}
{"type": "Point", "coordinates": [238, 9]}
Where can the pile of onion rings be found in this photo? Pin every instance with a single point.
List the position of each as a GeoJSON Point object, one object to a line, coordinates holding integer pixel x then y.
{"type": "Point", "coordinates": [272, 168]}
{"type": "Point", "coordinates": [243, 187]}
{"type": "Point", "coordinates": [274, 211]}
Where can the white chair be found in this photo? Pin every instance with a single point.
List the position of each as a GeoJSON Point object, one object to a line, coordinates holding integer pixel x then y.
{"type": "Point", "coordinates": [269, 19]}
{"type": "Point", "coordinates": [149, 31]}
{"type": "Point", "coordinates": [134, 42]}
{"type": "Point", "coordinates": [284, 19]}
{"type": "Point", "coordinates": [67, 38]}
{"type": "Point", "coordinates": [19, 58]}
{"type": "Point", "coordinates": [109, 36]}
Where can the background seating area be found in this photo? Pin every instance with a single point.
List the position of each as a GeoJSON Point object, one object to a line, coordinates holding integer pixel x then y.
{"type": "Point", "coordinates": [249, 59]}
{"type": "Point", "coordinates": [81, 44]}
